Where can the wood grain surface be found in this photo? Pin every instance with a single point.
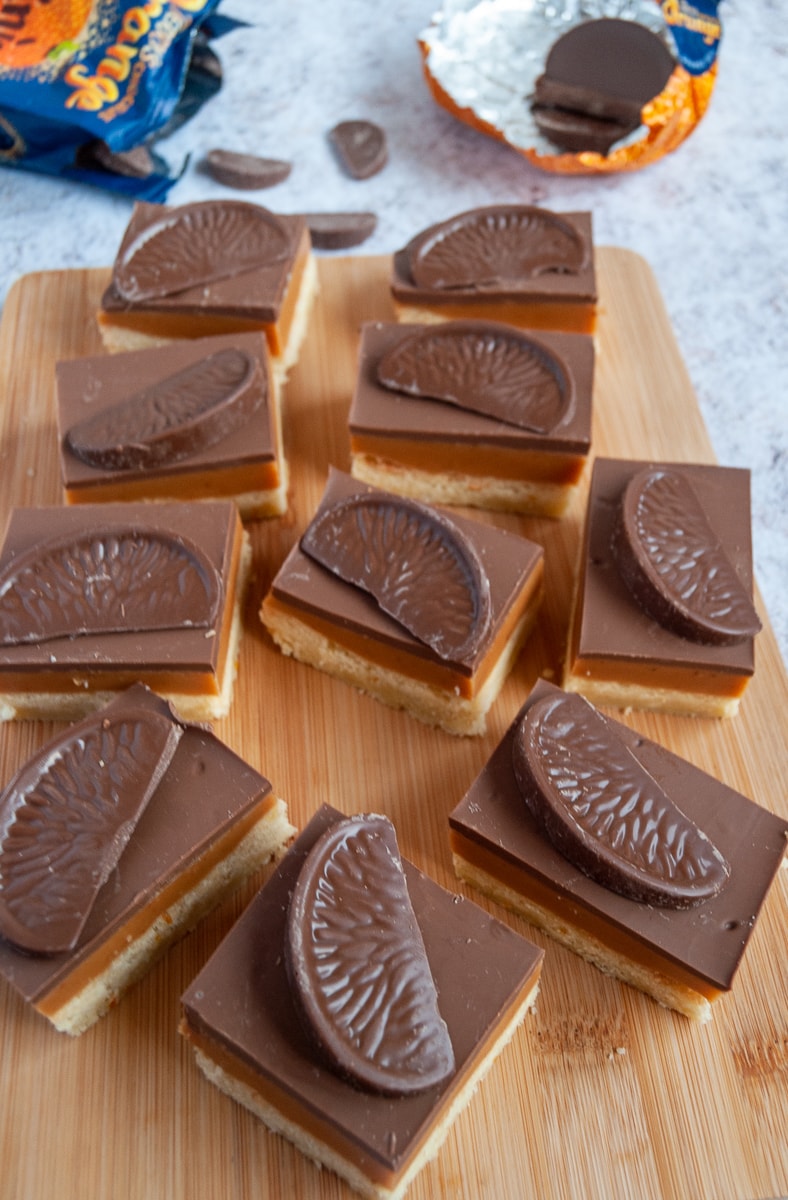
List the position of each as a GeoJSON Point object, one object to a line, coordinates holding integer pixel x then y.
{"type": "Point", "coordinates": [602, 1093]}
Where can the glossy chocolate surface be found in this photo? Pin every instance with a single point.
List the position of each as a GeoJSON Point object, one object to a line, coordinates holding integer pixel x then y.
{"type": "Point", "coordinates": [91, 389]}
{"type": "Point", "coordinates": [604, 812]}
{"type": "Point", "coordinates": [383, 411]}
{"type": "Point", "coordinates": [242, 1001]}
{"type": "Point", "coordinates": [508, 562]}
{"type": "Point", "coordinates": [340, 230]}
{"type": "Point", "coordinates": [204, 791]}
{"type": "Point", "coordinates": [509, 266]}
{"type": "Point", "coordinates": [708, 939]}
{"type": "Point", "coordinates": [351, 919]}
{"type": "Point", "coordinates": [361, 147]}
{"type": "Point", "coordinates": [245, 171]}
{"type": "Point", "coordinates": [612, 625]}
{"type": "Point", "coordinates": [208, 526]}
{"type": "Point", "coordinates": [254, 292]}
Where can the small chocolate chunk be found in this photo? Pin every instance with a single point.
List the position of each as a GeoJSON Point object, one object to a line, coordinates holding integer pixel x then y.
{"type": "Point", "coordinates": [357, 964]}
{"type": "Point", "coordinates": [246, 171]}
{"type": "Point", "coordinates": [66, 818]}
{"type": "Point", "coordinates": [483, 367]}
{"type": "Point", "coordinates": [139, 162]}
{"type": "Point", "coordinates": [115, 579]}
{"type": "Point", "coordinates": [360, 146]}
{"type": "Point", "coordinates": [173, 419]}
{"type": "Point", "coordinates": [340, 230]}
{"type": "Point", "coordinates": [415, 562]}
{"type": "Point", "coordinates": [605, 813]}
{"type": "Point", "coordinates": [502, 244]}
{"type": "Point", "coordinates": [597, 78]}
{"type": "Point", "coordinates": [674, 564]}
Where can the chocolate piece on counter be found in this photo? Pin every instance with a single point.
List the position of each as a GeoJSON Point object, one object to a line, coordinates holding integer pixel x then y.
{"type": "Point", "coordinates": [494, 247]}
{"type": "Point", "coordinates": [67, 816]}
{"type": "Point", "coordinates": [197, 244]}
{"type": "Point", "coordinates": [675, 565]}
{"type": "Point", "coordinates": [707, 940]}
{"type": "Point", "coordinates": [181, 415]}
{"type": "Point", "coordinates": [351, 918]}
{"type": "Point", "coordinates": [114, 578]}
{"type": "Point", "coordinates": [204, 792]}
{"type": "Point", "coordinates": [485, 367]}
{"type": "Point", "coordinates": [245, 171]}
{"type": "Point", "coordinates": [597, 78]}
{"type": "Point", "coordinates": [360, 146]}
{"type": "Point", "coordinates": [443, 598]}
{"type": "Point", "coordinates": [604, 812]}
{"type": "Point", "coordinates": [240, 1008]}
{"type": "Point", "coordinates": [340, 230]}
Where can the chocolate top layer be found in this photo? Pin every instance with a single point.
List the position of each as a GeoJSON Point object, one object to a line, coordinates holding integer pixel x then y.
{"type": "Point", "coordinates": [92, 391]}
{"type": "Point", "coordinates": [414, 561]}
{"type": "Point", "coordinates": [508, 562]}
{"type": "Point", "coordinates": [66, 817]}
{"type": "Point", "coordinates": [506, 251]}
{"type": "Point", "coordinates": [242, 1000]}
{"type": "Point", "coordinates": [209, 526]}
{"type": "Point", "coordinates": [604, 812]}
{"type": "Point", "coordinates": [350, 918]}
{"type": "Point", "coordinates": [204, 791]}
{"type": "Point", "coordinates": [708, 939]}
{"type": "Point", "coordinates": [612, 624]}
{"type": "Point", "coordinates": [380, 410]}
{"type": "Point", "coordinates": [225, 281]}
{"type": "Point", "coordinates": [675, 565]}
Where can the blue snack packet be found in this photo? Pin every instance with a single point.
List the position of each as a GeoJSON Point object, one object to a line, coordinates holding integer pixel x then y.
{"type": "Point", "coordinates": [83, 83]}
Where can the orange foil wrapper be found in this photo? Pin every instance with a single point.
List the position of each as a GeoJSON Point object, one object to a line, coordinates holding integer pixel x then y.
{"type": "Point", "coordinates": [482, 60]}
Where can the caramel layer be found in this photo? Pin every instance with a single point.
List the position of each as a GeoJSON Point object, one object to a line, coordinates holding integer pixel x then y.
{"type": "Point", "coordinates": [577, 317]}
{"type": "Point", "coordinates": [567, 911]}
{"type": "Point", "coordinates": [660, 675]}
{"type": "Point", "coordinates": [89, 968]}
{"type": "Point", "coordinates": [222, 483]}
{"type": "Point", "coordinates": [425, 670]}
{"type": "Point", "coordinates": [477, 460]}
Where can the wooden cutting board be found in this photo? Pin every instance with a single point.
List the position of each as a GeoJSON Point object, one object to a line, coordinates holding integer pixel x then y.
{"type": "Point", "coordinates": [602, 1093]}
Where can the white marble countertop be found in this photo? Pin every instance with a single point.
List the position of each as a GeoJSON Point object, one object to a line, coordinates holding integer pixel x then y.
{"type": "Point", "coordinates": [711, 219]}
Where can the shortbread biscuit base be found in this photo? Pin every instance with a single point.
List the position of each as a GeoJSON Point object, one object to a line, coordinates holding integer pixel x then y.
{"type": "Point", "coordinates": [446, 710]}
{"type": "Point", "coordinates": [666, 700]}
{"type": "Point", "coordinates": [323, 1155]}
{"type": "Point", "coordinates": [666, 992]}
{"type": "Point", "coordinates": [265, 840]}
{"type": "Point", "coordinates": [453, 488]}
{"type": "Point", "coordinates": [71, 706]}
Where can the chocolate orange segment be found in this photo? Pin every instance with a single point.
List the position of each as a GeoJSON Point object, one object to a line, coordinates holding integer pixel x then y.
{"type": "Point", "coordinates": [179, 416]}
{"type": "Point", "coordinates": [124, 579]}
{"type": "Point", "coordinates": [198, 244]}
{"type": "Point", "coordinates": [417, 565]}
{"type": "Point", "coordinates": [496, 245]}
{"type": "Point", "coordinates": [605, 813]}
{"type": "Point", "coordinates": [483, 367]}
{"type": "Point", "coordinates": [357, 963]}
{"type": "Point", "coordinates": [66, 818]}
{"type": "Point", "coordinates": [674, 563]}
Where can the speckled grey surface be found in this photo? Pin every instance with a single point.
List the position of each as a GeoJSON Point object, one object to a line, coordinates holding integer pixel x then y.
{"type": "Point", "coordinates": [711, 219]}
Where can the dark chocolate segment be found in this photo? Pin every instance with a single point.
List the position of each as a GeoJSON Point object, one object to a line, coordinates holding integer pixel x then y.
{"type": "Point", "coordinates": [246, 171]}
{"type": "Point", "coordinates": [198, 244]}
{"type": "Point", "coordinates": [340, 230]}
{"type": "Point", "coordinates": [597, 78]}
{"type": "Point", "coordinates": [114, 579]}
{"type": "Point", "coordinates": [177, 417]}
{"type": "Point", "coordinates": [675, 566]}
{"type": "Point", "coordinates": [66, 818]}
{"type": "Point", "coordinates": [357, 963]}
{"type": "Point", "coordinates": [605, 813]}
{"type": "Point", "coordinates": [484, 367]}
{"type": "Point", "coordinates": [139, 162]}
{"type": "Point", "coordinates": [414, 561]}
{"type": "Point", "coordinates": [494, 246]}
{"type": "Point", "coordinates": [361, 147]}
